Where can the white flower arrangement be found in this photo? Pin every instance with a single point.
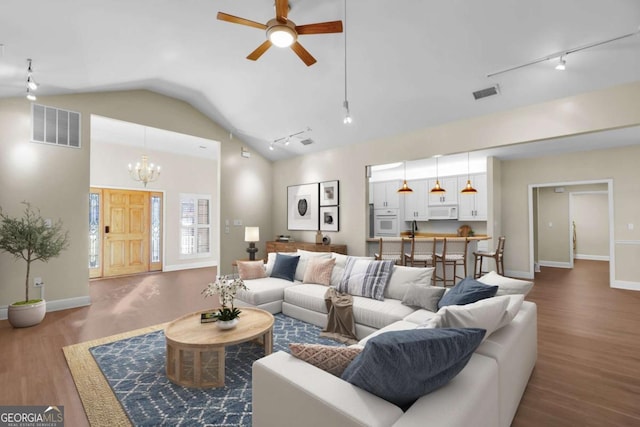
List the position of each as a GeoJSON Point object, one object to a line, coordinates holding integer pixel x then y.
{"type": "Point", "coordinates": [226, 288]}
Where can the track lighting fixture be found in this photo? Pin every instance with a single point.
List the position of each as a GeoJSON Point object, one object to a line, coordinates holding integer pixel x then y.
{"type": "Point", "coordinates": [563, 54]}
{"type": "Point", "coordinates": [31, 83]}
{"type": "Point", "coordinates": [30, 95]}
{"type": "Point", "coordinates": [286, 140]}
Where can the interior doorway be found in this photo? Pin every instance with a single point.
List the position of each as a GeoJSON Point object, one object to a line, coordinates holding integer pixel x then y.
{"type": "Point", "coordinates": [125, 232]}
{"type": "Point", "coordinates": [553, 236]}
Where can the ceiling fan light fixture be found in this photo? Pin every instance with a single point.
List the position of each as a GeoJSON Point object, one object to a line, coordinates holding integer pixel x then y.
{"type": "Point", "coordinates": [281, 35]}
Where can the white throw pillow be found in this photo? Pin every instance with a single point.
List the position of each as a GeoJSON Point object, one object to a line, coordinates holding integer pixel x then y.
{"type": "Point", "coordinates": [488, 314]}
{"type": "Point", "coordinates": [304, 259]}
{"type": "Point", "coordinates": [506, 285]}
{"type": "Point", "coordinates": [515, 302]}
{"type": "Point", "coordinates": [403, 277]}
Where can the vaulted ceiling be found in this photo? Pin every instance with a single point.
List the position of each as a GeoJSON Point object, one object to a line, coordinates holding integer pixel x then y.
{"type": "Point", "coordinates": [410, 64]}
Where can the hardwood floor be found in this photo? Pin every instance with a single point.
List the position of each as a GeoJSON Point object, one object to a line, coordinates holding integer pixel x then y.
{"type": "Point", "coordinates": [588, 369]}
{"type": "Point", "coordinates": [587, 374]}
{"type": "Point", "coordinates": [33, 370]}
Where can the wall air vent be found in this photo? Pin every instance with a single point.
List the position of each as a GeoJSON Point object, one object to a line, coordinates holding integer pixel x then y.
{"type": "Point", "coordinates": [55, 126]}
{"type": "Point", "coordinates": [483, 93]}
{"type": "Point", "coordinates": [307, 141]}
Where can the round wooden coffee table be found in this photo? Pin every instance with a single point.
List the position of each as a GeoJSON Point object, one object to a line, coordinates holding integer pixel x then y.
{"type": "Point", "coordinates": [195, 350]}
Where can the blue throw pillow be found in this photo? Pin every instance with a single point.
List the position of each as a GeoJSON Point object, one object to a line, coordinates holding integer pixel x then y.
{"type": "Point", "coordinates": [285, 267]}
{"type": "Point", "coordinates": [402, 366]}
{"type": "Point", "coordinates": [467, 291]}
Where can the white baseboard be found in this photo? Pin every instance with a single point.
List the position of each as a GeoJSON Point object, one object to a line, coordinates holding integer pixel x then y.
{"type": "Point", "coordinates": [176, 267]}
{"type": "Point", "coordinates": [57, 305]}
{"type": "Point", "coordinates": [519, 274]}
{"type": "Point", "coordinates": [621, 284]}
{"type": "Point", "coordinates": [555, 264]}
{"type": "Point", "coordinates": [592, 257]}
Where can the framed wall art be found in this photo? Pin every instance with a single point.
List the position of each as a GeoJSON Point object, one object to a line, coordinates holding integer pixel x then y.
{"type": "Point", "coordinates": [329, 219]}
{"type": "Point", "coordinates": [329, 193]}
{"type": "Point", "coordinates": [302, 207]}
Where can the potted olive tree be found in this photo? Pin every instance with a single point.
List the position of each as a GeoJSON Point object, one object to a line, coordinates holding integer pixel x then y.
{"type": "Point", "coordinates": [30, 238]}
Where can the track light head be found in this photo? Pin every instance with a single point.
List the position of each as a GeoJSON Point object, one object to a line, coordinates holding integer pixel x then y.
{"type": "Point", "coordinates": [30, 96]}
{"type": "Point", "coordinates": [31, 83]}
{"type": "Point", "coordinates": [562, 64]}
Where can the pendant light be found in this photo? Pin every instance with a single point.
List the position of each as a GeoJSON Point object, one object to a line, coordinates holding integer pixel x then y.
{"type": "Point", "coordinates": [468, 189]}
{"type": "Point", "coordinates": [437, 188]}
{"type": "Point", "coordinates": [143, 171]}
{"type": "Point", "coordinates": [347, 120]}
{"type": "Point", "coordinates": [405, 188]}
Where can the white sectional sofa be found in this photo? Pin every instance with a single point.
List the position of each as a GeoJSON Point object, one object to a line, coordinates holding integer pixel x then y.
{"type": "Point", "coordinates": [289, 391]}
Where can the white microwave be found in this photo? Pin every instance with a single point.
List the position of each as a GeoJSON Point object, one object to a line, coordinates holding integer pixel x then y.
{"type": "Point", "coordinates": [443, 212]}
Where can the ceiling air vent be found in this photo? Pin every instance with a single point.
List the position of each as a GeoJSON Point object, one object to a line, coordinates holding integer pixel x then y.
{"type": "Point", "coordinates": [307, 141]}
{"type": "Point", "coordinates": [483, 93]}
{"type": "Point", "coordinates": [55, 126]}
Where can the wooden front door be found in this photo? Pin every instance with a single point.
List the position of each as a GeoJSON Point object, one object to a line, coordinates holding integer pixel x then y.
{"type": "Point", "coordinates": [126, 232]}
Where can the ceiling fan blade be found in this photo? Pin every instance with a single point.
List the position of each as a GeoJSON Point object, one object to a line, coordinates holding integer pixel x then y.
{"type": "Point", "coordinates": [320, 28]}
{"type": "Point", "coordinates": [303, 54]}
{"type": "Point", "coordinates": [237, 20]}
{"type": "Point", "coordinates": [282, 10]}
{"type": "Point", "coordinates": [259, 51]}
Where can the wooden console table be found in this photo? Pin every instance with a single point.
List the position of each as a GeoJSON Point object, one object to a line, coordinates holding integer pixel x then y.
{"type": "Point", "coordinates": [305, 246]}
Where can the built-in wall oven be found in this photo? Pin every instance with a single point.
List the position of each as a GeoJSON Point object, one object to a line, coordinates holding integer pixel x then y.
{"type": "Point", "coordinates": [386, 222]}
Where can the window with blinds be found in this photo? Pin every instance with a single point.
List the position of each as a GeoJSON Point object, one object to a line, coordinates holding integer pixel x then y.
{"type": "Point", "coordinates": [195, 225]}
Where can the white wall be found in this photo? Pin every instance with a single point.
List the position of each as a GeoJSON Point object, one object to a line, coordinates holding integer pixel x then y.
{"type": "Point", "coordinates": [590, 212]}
{"type": "Point", "coordinates": [180, 174]}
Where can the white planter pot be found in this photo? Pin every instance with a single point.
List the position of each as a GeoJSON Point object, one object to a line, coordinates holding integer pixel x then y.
{"type": "Point", "coordinates": [25, 315]}
{"type": "Point", "coordinates": [227, 324]}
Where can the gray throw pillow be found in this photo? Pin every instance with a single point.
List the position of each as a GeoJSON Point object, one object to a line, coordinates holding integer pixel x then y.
{"type": "Point", "coordinates": [426, 297]}
{"type": "Point", "coordinates": [402, 366]}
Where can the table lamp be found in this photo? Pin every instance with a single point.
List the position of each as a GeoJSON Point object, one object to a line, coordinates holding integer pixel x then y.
{"type": "Point", "coordinates": [252, 235]}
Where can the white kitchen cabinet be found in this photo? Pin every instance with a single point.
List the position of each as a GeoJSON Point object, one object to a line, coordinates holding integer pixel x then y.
{"type": "Point", "coordinates": [416, 203]}
{"type": "Point", "coordinates": [449, 197]}
{"type": "Point", "coordinates": [385, 194]}
{"type": "Point", "coordinates": [473, 207]}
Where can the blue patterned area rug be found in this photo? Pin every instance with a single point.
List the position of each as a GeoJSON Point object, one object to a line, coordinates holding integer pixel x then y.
{"type": "Point", "coordinates": [135, 370]}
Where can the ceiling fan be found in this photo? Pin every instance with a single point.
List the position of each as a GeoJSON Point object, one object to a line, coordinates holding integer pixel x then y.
{"type": "Point", "coordinates": [283, 32]}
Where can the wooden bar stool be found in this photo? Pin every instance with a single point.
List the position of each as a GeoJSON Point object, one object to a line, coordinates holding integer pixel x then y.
{"type": "Point", "coordinates": [391, 250]}
{"type": "Point", "coordinates": [497, 255]}
{"type": "Point", "coordinates": [454, 253]}
{"type": "Point", "coordinates": [422, 251]}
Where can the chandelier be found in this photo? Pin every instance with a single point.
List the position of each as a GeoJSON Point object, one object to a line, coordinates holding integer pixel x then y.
{"type": "Point", "coordinates": [143, 171]}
